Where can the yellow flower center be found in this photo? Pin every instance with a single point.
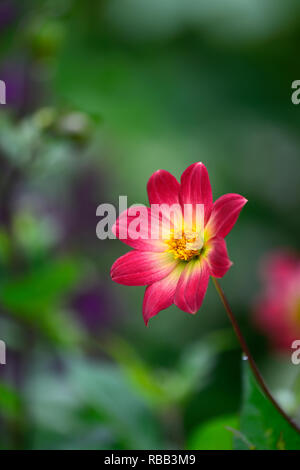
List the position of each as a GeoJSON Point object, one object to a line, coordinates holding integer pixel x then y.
{"type": "Point", "coordinates": [185, 245]}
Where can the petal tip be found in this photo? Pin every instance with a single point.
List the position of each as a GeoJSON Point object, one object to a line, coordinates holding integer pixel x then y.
{"type": "Point", "coordinates": [146, 319]}
{"type": "Point", "coordinates": [193, 312]}
{"type": "Point", "coordinates": [197, 164]}
{"type": "Point", "coordinates": [159, 170]}
{"type": "Point", "coordinates": [112, 269]}
{"type": "Point", "coordinates": [114, 229]}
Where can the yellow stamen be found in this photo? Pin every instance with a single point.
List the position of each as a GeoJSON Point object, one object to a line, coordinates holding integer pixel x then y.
{"type": "Point", "coordinates": [185, 245]}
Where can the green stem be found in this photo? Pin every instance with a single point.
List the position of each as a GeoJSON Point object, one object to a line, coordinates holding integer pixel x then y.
{"type": "Point", "coordinates": [249, 356]}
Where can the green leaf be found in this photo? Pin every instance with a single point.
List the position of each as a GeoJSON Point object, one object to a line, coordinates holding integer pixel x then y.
{"type": "Point", "coordinates": [166, 386]}
{"type": "Point", "coordinates": [5, 247]}
{"type": "Point", "coordinates": [261, 425]}
{"type": "Point", "coordinates": [140, 375]}
{"type": "Point", "coordinates": [214, 434]}
{"type": "Point", "coordinates": [90, 396]}
{"type": "Point", "coordinates": [10, 401]}
{"type": "Point", "coordinates": [31, 294]}
{"type": "Point", "coordinates": [36, 299]}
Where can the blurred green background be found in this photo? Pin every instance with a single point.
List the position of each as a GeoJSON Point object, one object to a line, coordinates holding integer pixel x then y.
{"type": "Point", "coordinates": [100, 94]}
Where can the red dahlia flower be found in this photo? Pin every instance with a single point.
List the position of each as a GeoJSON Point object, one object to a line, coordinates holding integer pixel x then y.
{"type": "Point", "coordinates": [277, 311]}
{"type": "Point", "coordinates": [176, 269]}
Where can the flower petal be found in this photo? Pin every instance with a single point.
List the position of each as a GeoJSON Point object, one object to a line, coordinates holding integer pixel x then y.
{"type": "Point", "coordinates": [192, 286]}
{"type": "Point", "coordinates": [163, 192]}
{"type": "Point", "coordinates": [224, 215]}
{"type": "Point", "coordinates": [163, 188]}
{"type": "Point", "coordinates": [135, 230]}
{"type": "Point", "coordinates": [138, 268]}
{"type": "Point", "coordinates": [278, 268]}
{"type": "Point", "coordinates": [196, 188]}
{"type": "Point", "coordinates": [217, 257]}
{"type": "Point", "coordinates": [160, 295]}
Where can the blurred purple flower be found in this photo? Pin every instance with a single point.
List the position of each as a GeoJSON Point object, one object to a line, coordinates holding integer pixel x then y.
{"type": "Point", "coordinates": [8, 13]}
{"type": "Point", "coordinates": [13, 371]}
{"type": "Point", "coordinates": [80, 218]}
{"type": "Point", "coordinates": [22, 89]}
{"type": "Point", "coordinates": [94, 306]}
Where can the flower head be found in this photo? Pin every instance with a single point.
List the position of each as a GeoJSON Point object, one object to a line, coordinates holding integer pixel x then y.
{"type": "Point", "coordinates": [277, 311]}
{"type": "Point", "coordinates": [190, 246]}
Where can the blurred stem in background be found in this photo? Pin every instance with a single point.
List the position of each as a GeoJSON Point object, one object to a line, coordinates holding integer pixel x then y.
{"type": "Point", "coordinates": [172, 421]}
{"type": "Point", "coordinates": [248, 356]}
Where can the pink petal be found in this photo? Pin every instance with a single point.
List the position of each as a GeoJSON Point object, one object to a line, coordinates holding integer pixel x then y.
{"type": "Point", "coordinates": [192, 286]}
{"type": "Point", "coordinates": [138, 268]}
{"type": "Point", "coordinates": [163, 188]}
{"type": "Point", "coordinates": [224, 215]}
{"type": "Point", "coordinates": [217, 257]}
{"type": "Point", "coordinates": [123, 229]}
{"type": "Point", "coordinates": [196, 188]}
{"type": "Point", "coordinates": [163, 192]}
{"type": "Point", "coordinates": [160, 295]}
{"type": "Point", "coordinates": [272, 317]}
{"type": "Point", "coordinates": [279, 268]}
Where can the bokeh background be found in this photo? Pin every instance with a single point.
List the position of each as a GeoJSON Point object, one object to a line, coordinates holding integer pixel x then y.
{"type": "Point", "coordinates": [100, 94]}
